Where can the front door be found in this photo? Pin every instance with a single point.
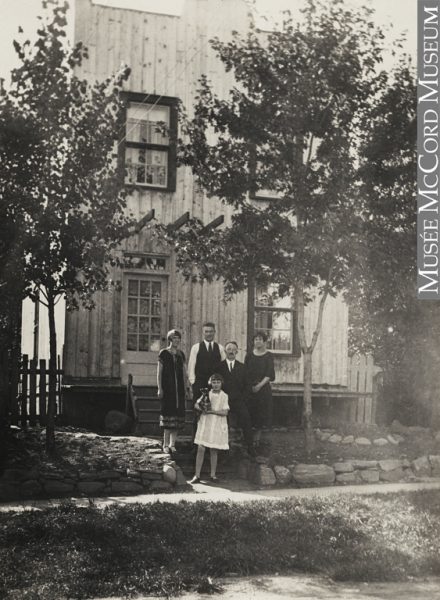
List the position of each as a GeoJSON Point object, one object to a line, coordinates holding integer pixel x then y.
{"type": "Point", "coordinates": [144, 318]}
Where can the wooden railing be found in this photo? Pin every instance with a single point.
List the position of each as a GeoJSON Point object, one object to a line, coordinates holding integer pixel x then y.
{"type": "Point", "coordinates": [130, 399]}
{"type": "Point", "coordinates": [30, 395]}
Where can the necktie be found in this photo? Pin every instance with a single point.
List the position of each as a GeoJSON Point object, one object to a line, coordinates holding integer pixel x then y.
{"type": "Point", "coordinates": [230, 367]}
{"type": "Point", "coordinates": [210, 348]}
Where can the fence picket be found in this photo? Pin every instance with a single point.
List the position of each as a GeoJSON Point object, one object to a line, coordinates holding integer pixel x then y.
{"type": "Point", "coordinates": [361, 374]}
{"type": "Point", "coordinates": [58, 397]}
{"type": "Point", "coordinates": [33, 392]}
{"type": "Point", "coordinates": [24, 392]}
{"type": "Point", "coordinates": [29, 380]}
{"type": "Point", "coordinates": [13, 393]}
{"type": "Point", "coordinates": [42, 399]}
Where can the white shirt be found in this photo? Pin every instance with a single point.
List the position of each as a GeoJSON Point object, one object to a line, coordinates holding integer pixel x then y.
{"type": "Point", "coordinates": [193, 357]}
{"type": "Point", "coordinates": [231, 364]}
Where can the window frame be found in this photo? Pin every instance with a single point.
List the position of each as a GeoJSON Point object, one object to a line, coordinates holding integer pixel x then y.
{"type": "Point", "coordinates": [295, 349]}
{"type": "Point", "coordinates": [171, 148]}
{"type": "Point", "coordinates": [254, 193]}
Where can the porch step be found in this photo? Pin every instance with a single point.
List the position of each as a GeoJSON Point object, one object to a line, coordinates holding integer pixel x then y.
{"type": "Point", "coordinates": [148, 411]}
{"type": "Point", "coordinates": [145, 391]}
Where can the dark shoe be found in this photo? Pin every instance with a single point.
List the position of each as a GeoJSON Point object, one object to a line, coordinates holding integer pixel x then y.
{"type": "Point", "coordinates": [214, 479]}
{"type": "Point", "coordinates": [195, 479]}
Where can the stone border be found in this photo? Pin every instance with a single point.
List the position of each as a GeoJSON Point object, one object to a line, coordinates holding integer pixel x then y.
{"type": "Point", "coordinates": [162, 476]}
{"type": "Point", "coordinates": [340, 473]}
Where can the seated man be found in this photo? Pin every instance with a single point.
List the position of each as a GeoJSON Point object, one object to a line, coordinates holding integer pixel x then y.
{"type": "Point", "coordinates": [233, 373]}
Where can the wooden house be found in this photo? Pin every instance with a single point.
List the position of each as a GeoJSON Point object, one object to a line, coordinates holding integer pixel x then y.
{"type": "Point", "coordinates": [167, 55]}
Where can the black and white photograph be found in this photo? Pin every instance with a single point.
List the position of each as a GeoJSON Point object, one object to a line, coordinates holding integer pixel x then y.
{"type": "Point", "coordinates": [219, 299]}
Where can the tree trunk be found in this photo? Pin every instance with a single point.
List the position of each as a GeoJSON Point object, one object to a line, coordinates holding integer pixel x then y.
{"type": "Point", "coordinates": [50, 426]}
{"type": "Point", "coordinates": [250, 313]}
{"type": "Point", "coordinates": [307, 370]}
{"type": "Point", "coordinates": [307, 352]}
{"type": "Point", "coordinates": [307, 402]}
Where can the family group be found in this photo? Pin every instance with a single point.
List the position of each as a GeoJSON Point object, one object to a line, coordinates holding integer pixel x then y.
{"type": "Point", "coordinates": [222, 388]}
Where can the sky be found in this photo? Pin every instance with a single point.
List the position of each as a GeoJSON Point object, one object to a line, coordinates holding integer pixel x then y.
{"type": "Point", "coordinates": [402, 14]}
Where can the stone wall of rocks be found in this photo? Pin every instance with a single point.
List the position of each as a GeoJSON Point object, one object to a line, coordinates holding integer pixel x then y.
{"type": "Point", "coordinates": [164, 475]}
{"type": "Point", "coordinates": [340, 473]}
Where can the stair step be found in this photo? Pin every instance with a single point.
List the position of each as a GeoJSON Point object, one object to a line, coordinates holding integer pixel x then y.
{"type": "Point", "coordinates": [145, 390]}
{"type": "Point", "coordinates": [151, 414]}
{"type": "Point", "coordinates": [154, 403]}
{"type": "Point", "coordinates": [148, 405]}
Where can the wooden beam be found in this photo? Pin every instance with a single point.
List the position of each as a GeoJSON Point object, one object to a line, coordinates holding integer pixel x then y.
{"type": "Point", "coordinates": [145, 219]}
{"type": "Point", "coordinates": [179, 222]}
{"type": "Point", "coordinates": [213, 224]}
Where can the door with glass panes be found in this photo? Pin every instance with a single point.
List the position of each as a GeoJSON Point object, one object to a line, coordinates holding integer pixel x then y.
{"type": "Point", "coordinates": [144, 316]}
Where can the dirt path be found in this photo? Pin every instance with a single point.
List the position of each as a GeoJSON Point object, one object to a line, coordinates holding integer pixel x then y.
{"type": "Point", "coordinates": [305, 587]}
{"type": "Point", "coordinates": [229, 491]}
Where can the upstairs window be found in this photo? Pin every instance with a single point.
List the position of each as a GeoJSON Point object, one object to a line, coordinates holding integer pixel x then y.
{"type": "Point", "coordinates": [150, 131]}
{"type": "Point", "coordinates": [260, 193]}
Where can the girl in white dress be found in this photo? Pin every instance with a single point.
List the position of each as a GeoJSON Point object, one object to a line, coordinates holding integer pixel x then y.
{"type": "Point", "coordinates": [212, 428]}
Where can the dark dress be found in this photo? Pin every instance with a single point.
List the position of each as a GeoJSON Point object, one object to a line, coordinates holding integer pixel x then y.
{"type": "Point", "coordinates": [172, 405]}
{"type": "Point", "coordinates": [260, 403]}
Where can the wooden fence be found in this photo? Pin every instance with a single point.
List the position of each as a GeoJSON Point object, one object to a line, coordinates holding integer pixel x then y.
{"type": "Point", "coordinates": [30, 393]}
{"type": "Point", "coordinates": [363, 379]}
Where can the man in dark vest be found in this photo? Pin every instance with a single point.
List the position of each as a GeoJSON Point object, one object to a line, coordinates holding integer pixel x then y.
{"type": "Point", "coordinates": [204, 357]}
{"type": "Point", "coordinates": [235, 385]}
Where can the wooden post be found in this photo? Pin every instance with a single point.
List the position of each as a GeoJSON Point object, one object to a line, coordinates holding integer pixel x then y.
{"type": "Point", "coordinates": [24, 390]}
{"type": "Point", "coordinates": [42, 392]}
{"type": "Point", "coordinates": [36, 327]}
{"type": "Point", "coordinates": [59, 374]}
{"type": "Point", "coordinates": [51, 405]}
{"type": "Point", "coordinates": [128, 405]}
{"type": "Point", "coordinates": [33, 392]}
{"type": "Point", "coordinates": [13, 391]}
{"type": "Point", "coordinates": [376, 386]}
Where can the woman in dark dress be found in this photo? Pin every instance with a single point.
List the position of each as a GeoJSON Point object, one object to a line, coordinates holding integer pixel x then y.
{"type": "Point", "coordinates": [171, 385]}
{"type": "Point", "coordinates": [260, 372]}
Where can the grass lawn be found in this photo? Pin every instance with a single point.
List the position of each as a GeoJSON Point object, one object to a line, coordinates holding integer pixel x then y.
{"type": "Point", "coordinates": [163, 548]}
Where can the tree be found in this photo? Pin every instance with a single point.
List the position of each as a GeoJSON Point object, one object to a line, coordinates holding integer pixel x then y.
{"type": "Point", "coordinates": [70, 214]}
{"type": "Point", "coordinates": [292, 125]}
{"type": "Point", "coordinates": [17, 143]}
{"type": "Point", "coordinates": [386, 318]}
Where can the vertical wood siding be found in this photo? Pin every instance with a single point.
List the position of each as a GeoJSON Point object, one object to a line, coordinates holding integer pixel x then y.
{"type": "Point", "coordinates": [167, 55]}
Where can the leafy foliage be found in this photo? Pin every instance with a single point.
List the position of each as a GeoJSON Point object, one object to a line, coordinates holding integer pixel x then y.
{"type": "Point", "coordinates": [386, 318]}
{"type": "Point", "coordinates": [382, 297]}
{"type": "Point", "coordinates": [70, 205]}
{"type": "Point", "coordinates": [62, 196]}
{"type": "Point", "coordinates": [291, 125]}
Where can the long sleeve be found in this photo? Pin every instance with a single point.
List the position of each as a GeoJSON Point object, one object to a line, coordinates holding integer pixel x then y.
{"type": "Point", "coordinates": [192, 363]}
{"type": "Point", "coordinates": [270, 367]}
{"type": "Point", "coordinates": [222, 352]}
